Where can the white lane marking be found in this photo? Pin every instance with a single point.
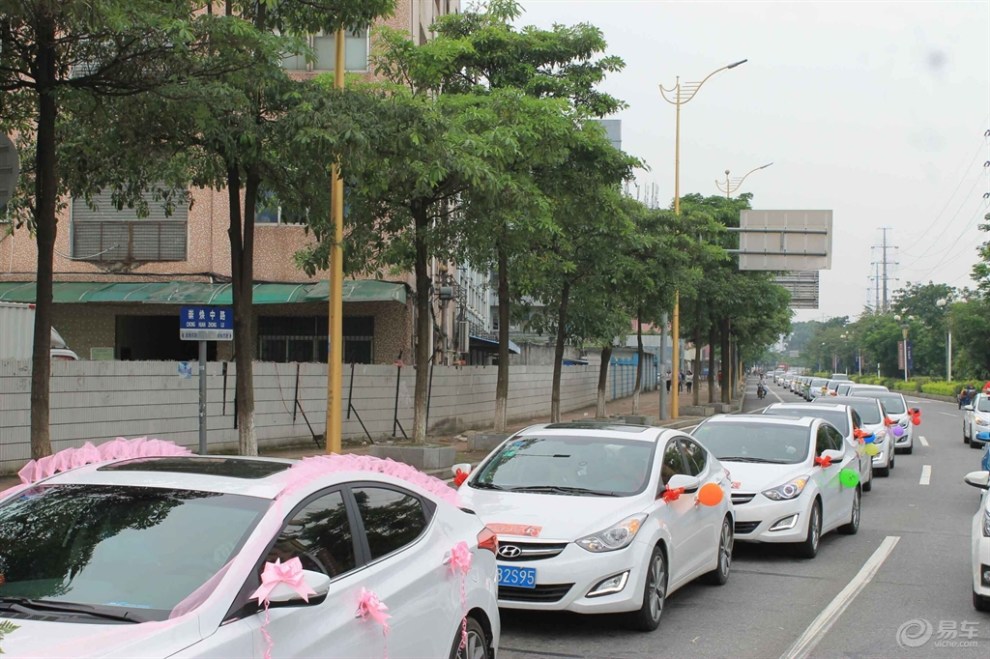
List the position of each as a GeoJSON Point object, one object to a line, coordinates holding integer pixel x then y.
{"type": "Point", "coordinates": [820, 625]}
{"type": "Point", "coordinates": [776, 395]}
{"type": "Point", "coordinates": [948, 414]}
{"type": "Point", "coordinates": [926, 475]}
{"type": "Point", "coordinates": [924, 442]}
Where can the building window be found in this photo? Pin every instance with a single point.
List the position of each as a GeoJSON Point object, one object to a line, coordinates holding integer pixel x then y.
{"type": "Point", "coordinates": [304, 339]}
{"type": "Point", "coordinates": [103, 233]}
{"type": "Point", "coordinates": [270, 210]}
{"type": "Point", "coordinates": [356, 50]}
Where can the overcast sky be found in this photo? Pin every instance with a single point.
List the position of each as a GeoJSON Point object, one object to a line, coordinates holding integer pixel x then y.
{"type": "Point", "coordinates": [875, 110]}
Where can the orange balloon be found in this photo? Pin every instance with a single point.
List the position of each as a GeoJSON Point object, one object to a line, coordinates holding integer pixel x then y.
{"type": "Point", "coordinates": [710, 494]}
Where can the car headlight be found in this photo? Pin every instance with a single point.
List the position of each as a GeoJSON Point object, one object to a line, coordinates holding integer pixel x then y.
{"type": "Point", "coordinates": [789, 490]}
{"type": "Point", "coordinates": [986, 523]}
{"type": "Point", "coordinates": [614, 537]}
{"type": "Point", "coordinates": [981, 421]}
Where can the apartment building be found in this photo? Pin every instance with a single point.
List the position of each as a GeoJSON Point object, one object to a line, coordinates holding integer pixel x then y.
{"type": "Point", "coordinates": [120, 280]}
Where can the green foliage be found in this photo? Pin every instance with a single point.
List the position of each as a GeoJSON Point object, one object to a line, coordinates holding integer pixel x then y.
{"type": "Point", "coordinates": [6, 627]}
{"type": "Point", "coordinates": [941, 388]}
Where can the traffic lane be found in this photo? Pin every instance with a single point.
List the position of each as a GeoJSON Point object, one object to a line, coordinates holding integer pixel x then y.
{"type": "Point", "coordinates": [928, 575]}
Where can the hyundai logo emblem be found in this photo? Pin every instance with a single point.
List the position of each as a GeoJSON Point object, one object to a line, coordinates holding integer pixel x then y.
{"type": "Point", "coordinates": [509, 551]}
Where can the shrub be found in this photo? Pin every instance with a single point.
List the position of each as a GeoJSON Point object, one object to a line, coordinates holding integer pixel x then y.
{"type": "Point", "coordinates": [941, 388]}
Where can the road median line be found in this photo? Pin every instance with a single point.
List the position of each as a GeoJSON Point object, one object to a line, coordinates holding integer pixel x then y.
{"type": "Point", "coordinates": [820, 625]}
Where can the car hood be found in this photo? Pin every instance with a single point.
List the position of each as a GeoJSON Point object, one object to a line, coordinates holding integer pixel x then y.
{"type": "Point", "coordinates": [554, 517]}
{"type": "Point", "coordinates": [755, 477]}
{"type": "Point", "coordinates": [41, 638]}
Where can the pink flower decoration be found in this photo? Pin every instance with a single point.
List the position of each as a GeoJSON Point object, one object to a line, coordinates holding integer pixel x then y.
{"type": "Point", "coordinates": [117, 449]}
{"type": "Point", "coordinates": [311, 468]}
{"type": "Point", "coordinates": [460, 558]}
{"type": "Point", "coordinates": [289, 573]}
{"type": "Point", "coordinates": [369, 606]}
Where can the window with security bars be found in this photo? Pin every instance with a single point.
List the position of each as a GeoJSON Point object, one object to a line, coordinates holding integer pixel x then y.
{"type": "Point", "coordinates": [324, 47]}
{"type": "Point", "coordinates": [102, 233]}
{"type": "Point", "coordinates": [304, 339]}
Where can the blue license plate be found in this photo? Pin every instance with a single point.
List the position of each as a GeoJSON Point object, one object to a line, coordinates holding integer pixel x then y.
{"type": "Point", "coordinates": [517, 577]}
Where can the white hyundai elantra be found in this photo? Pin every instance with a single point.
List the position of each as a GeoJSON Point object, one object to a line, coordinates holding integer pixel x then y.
{"type": "Point", "coordinates": [187, 556]}
{"type": "Point", "coordinates": [602, 518]}
{"type": "Point", "coordinates": [787, 477]}
{"type": "Point", "coordinates": [980, 544]}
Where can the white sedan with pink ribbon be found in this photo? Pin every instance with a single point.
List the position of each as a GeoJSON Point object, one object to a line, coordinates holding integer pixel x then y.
{"type": "Point", "coordinates": [137, 548]}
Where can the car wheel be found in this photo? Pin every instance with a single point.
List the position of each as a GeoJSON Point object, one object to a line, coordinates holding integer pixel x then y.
{"type": "Point", "coordinates": [980, 603]}
{"type": "Point", "coordinates": [853, 526]}
{"type": "Point", "coordinates": [809, 548]}
{"type": "Point", "coordinates": [965, 436]}
{"type": "Point", "coordinates": [647, 617]}
{"type": "Point", "coordinates": [975, 444]}
{"type": "Point", "coordinates": [720, 574]}
{"type": "Point", "coordinates": [477, 646]}
{"type": "Point", "coordinates": [868, 485]}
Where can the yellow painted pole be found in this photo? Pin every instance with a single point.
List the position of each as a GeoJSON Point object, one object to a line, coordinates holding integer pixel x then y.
{"type": "Point", "coordinates": [335, 353]}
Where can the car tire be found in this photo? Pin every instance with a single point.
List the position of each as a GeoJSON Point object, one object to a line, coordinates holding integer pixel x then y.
{"type": "Point", "coordinates": [647, 617]}
{"type": "Point", "coordinates": [852, 527]}
{"type": "Point", "coordinates": [478, 645]}
{"type": "Point", "coordinates": [882, 472]}
{"type": "Point", "coordinates": [965, 436]}
{"type": "Point", "coordinates": [981, 603]}
{"type": "Point", "coordinates": [975, 444]}
{"type": "Point", "coordinates": [720, 575]}
{"type": "Point", "coordinates": [809, 548]}
{"type": "Point", "coordinates": [868, 485]}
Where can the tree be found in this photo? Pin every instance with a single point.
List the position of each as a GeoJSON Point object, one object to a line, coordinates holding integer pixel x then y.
{"type": "Point", "coordinates": [55, 56]}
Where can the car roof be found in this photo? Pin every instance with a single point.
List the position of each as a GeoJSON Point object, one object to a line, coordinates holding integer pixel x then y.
{"type": "Point", "coordinates": [849, 400]}
{"type": "Point", "coordinates": [604, 429]}
{"type": "Point", "coordinates": [809, 406]}
{"type": "Point", "coordinates": [804, 421]}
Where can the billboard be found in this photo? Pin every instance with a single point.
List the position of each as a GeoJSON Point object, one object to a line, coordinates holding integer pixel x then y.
{"type": "Point", "coordinates": [785, 240]}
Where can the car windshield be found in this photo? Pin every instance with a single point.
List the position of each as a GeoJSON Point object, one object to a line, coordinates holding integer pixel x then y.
{"type": "Point", "coordinates": [818, 382]}
{"type": "Point", "coordinates": [136, 551]}
{"type": "Point", "coordinates": [983, 404]}
{"type": "Point", "coordinates": [755, 442]}
{"type": "Point", "coordinates": [893, 403]}
{"type": "Point", "coordinates": [594, 466]}
{"type": "Point", "coordinates": [838, 418]}
{"type": "Point", "coordinates": [868, 410]}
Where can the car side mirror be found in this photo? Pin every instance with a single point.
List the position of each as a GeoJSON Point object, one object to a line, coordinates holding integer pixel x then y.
{"type": "Point", "coordinates": [834, 455]}
{"type": "Point", "coordinates": [980, 479]}
{"type": "Point", "coordinates": [689, 483]}
{"type": "Point", "coordinates": [283, 593]}
{"type": "Point", "coordinates": [968, 408]}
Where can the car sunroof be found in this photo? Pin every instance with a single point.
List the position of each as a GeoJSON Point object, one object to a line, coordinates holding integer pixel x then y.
{"type": "Point", "coordinates": [206, 466]}
{"type": "Point", "coordinates": [591, 425]}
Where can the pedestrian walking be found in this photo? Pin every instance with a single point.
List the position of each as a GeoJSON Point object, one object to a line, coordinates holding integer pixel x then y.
{"type": "Point", "coordinates": [680, 381]}
{"type": "Point", "coordinates": [668, 377]}
{"type": "Point", "coordinates": [690, 380]}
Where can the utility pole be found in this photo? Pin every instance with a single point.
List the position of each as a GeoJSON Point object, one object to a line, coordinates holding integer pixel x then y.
{"type": "Point", "coordinates": [882, 276]}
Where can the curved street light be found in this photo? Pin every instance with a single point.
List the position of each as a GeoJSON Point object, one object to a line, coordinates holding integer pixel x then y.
{"type": "Point", "coordinates": [682, 93]}
{"type": "Point", "coordinates": [733, 184]}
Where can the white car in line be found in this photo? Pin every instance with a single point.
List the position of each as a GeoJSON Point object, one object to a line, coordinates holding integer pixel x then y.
{"type": "Point", "coordinates": [897, 409]}
{"type": "Point", "coordinates": [976, 421]}
{"type": "Point", "coordinates": [874, 419]}
{"type": "Point", "coordinates": [602, 517]}
{"type": "Point", "coordinates": [162, 556]}
{"type": "Point", "coordinates": [786, 483]}
{"type": "Point", "coordinates": [844, 418]}
{"type": "Point", "coordinates": [981, 541]}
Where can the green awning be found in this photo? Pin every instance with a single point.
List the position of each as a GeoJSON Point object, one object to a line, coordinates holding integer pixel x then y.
{"type": "Point", "coordinates": [361, 290]}
{"type": "Point", "coordinates": [201, 293]}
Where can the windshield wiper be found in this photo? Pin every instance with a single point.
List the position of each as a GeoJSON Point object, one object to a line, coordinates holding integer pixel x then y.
{"type": "Point", "coordinates": [736, 458]}
{"type": "Point", "coordinates": [32, 605]}
{"type": "Point", "coordinates": [564, 489]}
{"type": "Point", "coordinates": [487, 486]}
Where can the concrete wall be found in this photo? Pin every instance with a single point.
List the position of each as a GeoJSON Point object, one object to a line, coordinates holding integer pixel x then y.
{"type": "Point", "coordinates": [96, 400]}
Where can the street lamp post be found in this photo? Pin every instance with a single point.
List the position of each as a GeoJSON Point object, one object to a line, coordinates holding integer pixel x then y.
{"type": "Point", "coordinates": [682, 94]}
{"type": "Point", "coordinates": [904, 332]}
{"type": "Point", "coordinates": [733, 184]}
{"type": "Point", "coordinates": [942, 303]}
{"type": "Point", "coordinates": [335, 351]}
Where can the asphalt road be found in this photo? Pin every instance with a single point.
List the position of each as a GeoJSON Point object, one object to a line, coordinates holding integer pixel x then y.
{"type": "Point", "coordinates": [874, 594]}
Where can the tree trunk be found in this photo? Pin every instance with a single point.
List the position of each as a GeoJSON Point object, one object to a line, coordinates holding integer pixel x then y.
{"type": "Point", "coordinates": [600, 412]}
{"type": "Point", "coordinates": [639, 362]}
{"type": "Point", "coordinates": [423, 329]}
{"type": "Point", "coordinates": [46, 198]}
{"type": "Point", "coordinates": [502, 380]}
{"type": "Point", "coordinates": [696, 366]}
{"type": "Point", "coordinates": [712, 340]}
{"type": "Point", "coordinates": [558, 354]}
{"type": "Point", "coordinates": [241, 236]}
{"type": "Point", "coordinates": [726, 364]}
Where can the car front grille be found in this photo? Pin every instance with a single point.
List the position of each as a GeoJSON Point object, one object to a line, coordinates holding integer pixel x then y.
{"type": "Point", "coordinates": [739, 498]}
{"type": "Point", "coordinates": [746, 527]}
{"type": "Point", "coordinates": [542, 593]}
{"type": "Point", "coordinates": [529, 551]}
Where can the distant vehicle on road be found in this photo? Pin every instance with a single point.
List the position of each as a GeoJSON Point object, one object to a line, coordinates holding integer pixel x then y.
{"type": "Point", "coordinates": [976, 421]}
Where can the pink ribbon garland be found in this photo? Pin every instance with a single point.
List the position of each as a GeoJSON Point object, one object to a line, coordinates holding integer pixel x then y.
{"type": "Point", "coordinates": [460, 563]}
{"type": "Point", "coordinates": [369, 606]}
{"type": "Point", "coordinates": [291, 574]}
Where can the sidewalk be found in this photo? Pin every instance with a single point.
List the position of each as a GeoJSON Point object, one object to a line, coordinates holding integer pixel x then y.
{"type": "Point", "coordinates": [649, 406]}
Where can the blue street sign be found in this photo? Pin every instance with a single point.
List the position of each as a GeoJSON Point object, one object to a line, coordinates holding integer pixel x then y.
{"type": "Point", "coordinates": [206, 324]}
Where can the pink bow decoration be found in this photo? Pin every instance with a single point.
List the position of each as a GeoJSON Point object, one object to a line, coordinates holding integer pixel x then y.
{"type": "Point", "coordinates": [291, 574]}
{"type": "Point", "coordinates": [460, 563]}
{"type": "Point", "coordinates": [369, 606]}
